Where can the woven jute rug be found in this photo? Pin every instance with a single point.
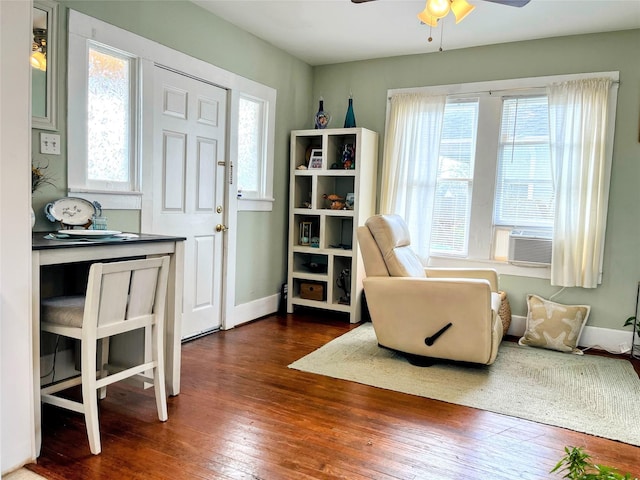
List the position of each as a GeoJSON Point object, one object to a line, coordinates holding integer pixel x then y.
{"type": "Point", "coordinates": [586, 393]}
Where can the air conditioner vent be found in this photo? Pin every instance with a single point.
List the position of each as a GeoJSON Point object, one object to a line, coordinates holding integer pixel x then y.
{"type": "Point", "coordinates": [529, 248]}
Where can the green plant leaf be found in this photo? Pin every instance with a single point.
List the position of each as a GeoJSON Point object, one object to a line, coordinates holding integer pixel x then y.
{"type": "Point", "coordinates": [576, 466]}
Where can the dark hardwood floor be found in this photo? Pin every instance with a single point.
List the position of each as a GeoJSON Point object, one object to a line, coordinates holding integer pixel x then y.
{"type": "Point", "coordinates": [242, 414]}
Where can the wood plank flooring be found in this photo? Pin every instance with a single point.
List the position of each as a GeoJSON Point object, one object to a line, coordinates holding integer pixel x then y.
{"type": "Point", "coordinates": [242, 414]}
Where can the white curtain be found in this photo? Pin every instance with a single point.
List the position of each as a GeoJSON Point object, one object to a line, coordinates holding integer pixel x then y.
{"type": "Point", "coordinates": [411, 152]}
{"type": "Point", "coordinates": [579, 122]}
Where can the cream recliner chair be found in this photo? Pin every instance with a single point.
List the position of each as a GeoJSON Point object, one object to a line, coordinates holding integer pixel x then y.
{"type": "Point", "coordinates": [427, 312]}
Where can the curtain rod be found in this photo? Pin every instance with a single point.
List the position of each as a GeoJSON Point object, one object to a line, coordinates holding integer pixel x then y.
{"type": "Point", "coordinates": [490, 92]}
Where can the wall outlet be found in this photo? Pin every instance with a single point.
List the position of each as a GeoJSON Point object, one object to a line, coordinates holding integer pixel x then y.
{"type": "Point", "coordinates": [50, 143]}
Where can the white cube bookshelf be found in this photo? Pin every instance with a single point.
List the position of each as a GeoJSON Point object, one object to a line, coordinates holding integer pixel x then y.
{"type": "Point", "coordinates": [332, 247]}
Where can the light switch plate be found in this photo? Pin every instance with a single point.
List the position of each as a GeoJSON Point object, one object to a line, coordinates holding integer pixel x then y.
{"type": "Point", "coordinates": [50, 143]}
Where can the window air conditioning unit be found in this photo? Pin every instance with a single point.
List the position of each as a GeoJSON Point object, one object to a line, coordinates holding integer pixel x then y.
{"type": "Point", "coordinates": [529, 248]}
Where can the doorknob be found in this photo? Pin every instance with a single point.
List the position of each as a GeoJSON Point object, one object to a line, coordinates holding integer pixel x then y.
{"type": "Point", "coordinates": [221, 228]}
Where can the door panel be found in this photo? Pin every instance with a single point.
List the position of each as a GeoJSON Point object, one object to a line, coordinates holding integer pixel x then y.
{"type": "Point", "coordinates": [189, 133]}
{"type": "Point", "coordinates": [206, 174]}
{"type": "Point", "coordinates": [174, 102]}
{"type": "Point", "coordinates": [174, 162]}
{"type": "Point", "coordinates": [205, 248]}
{"type": "Point", "coordinates": [208, 112]}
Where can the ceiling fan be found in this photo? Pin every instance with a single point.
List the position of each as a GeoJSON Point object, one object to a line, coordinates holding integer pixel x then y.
{"type": "Point", "coordinates": [512, 3]}
{"type": "Point", "coordinates": [437, 9]}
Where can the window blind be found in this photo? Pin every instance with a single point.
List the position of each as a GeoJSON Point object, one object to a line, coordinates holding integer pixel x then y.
{"type": "Point", "coordinates": [450, 221]}
{"type": "Point", "coordinates": [524, 187]}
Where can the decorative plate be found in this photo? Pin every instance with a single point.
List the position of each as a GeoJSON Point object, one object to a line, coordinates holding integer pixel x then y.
{"type": "Point", "coordinates": [89, 233]}
{"type": "Point", "coordinates": [70, 211]}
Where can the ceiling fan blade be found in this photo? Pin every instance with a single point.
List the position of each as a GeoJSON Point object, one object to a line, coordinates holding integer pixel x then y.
{"type": "Point", "coordinates": [511, 3]}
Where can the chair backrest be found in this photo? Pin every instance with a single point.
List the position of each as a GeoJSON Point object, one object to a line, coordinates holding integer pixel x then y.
{"type": "Point", "coordinates": [125, 295]}
{"type": "Point", "coordinates": [390, 235]}
{"type": "Point", "coordinates": [374, 265]}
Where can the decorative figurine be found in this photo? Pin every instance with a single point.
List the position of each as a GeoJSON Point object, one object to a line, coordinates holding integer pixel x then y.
{"type": "Point", "coordinates": [336, 202]}
{"type": "Point", "coordinates": [350, 201]}
{"type": "Point", "coordinates": [344, 283]}
{"type": "Point", "coordinates": [348, 158]}
{"type": "Point", "coordinates": [322, 118]}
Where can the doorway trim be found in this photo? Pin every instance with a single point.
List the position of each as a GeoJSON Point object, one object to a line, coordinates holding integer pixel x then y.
{"type": "Point", "coordinates": [151, 53]}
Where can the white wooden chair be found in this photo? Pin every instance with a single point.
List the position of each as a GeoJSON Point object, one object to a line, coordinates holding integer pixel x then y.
{"type": "Point", "coordinates": [120, 297]}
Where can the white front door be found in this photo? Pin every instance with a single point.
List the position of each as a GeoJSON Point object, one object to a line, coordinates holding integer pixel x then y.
{"type": "Point", "coordinates": [188, 188]}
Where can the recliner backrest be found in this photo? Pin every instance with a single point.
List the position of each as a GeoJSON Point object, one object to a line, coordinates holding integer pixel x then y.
{"type": "Point", "coordinates": [391, 235]}
{"type": "Point", "coordinates": [374, 265]}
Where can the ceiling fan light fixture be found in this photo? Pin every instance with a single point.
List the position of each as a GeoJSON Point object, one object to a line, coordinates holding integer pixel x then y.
{"type": "Point", "coordinates": [38, 60]}
{"type": "Point", "coordinates": [461, 8]}
{"type": "Point", "coordinates": [438, 8]}
{"type": "Point", "coordinates": [39, 49]}
{"type": "Point", "coordinates": [428, 19]}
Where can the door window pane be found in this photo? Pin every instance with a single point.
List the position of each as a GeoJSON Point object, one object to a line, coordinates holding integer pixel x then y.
{"type": "Point", "coordinates": [109, 117]}
{"type": "Point", "coordinates": [251, 147]}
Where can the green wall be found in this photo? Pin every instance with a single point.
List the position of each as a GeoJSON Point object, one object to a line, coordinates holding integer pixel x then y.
{"type": "Point", "coordinates": [183, 26]}
{"type": "Point", "coordinates": [614, 300]}
{"type": "Point", "coordinates": [261, 254]}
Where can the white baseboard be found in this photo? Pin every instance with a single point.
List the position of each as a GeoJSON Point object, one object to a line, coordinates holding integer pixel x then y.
{"type": "Point", "coordinates": [614, 341]}
{"type": "Point", "coordinates": [255, 309]}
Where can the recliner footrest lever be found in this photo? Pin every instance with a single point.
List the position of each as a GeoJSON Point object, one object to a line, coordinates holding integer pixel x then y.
{"type": "Point", "coordinates": [429, 341]}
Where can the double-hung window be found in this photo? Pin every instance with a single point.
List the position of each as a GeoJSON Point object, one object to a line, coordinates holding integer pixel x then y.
{"type": "Point", "coordinates": [454, 184]}
{"type": "Point", "coordinates": [496, 170]}
{"type": "Point", "coordinates": [511, 159]}
{"type": "Point", "coordinates": [524, 197]}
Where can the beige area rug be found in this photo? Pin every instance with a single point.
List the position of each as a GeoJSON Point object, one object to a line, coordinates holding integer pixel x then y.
{"type": "Point", "coordinates": [22, 474]}
{"type": "Point", "coordinates": [585, 393]}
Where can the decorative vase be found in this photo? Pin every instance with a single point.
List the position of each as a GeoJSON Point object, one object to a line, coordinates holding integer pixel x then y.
{"type": "Point", "coordinates": [322, 118]}
{"type": "Point", "coordinates": [33, 218]}
{"type": "Point", "coordinates": [350, 118]}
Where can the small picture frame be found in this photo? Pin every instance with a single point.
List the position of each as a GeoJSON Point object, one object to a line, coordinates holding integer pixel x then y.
{"type": "Point", "coordinates": [350, 201]}
{"type": "Point", "coordinates": [315, 160]}
{"type": "Point", "coordinates": [305, 233]}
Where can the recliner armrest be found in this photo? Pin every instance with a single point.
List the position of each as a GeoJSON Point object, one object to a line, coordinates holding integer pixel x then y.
{"type": "Point", "coordinates": [489, 274]}
{"type": "Point", "coordinates": [450, 298]}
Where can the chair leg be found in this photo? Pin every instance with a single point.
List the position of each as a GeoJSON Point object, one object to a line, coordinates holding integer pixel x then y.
{"type": "Point", "coordinates": [158, 372]}
{"type": "Point", "coordinates": [90, 395]}
{"type": "Point", "coordinates": [104, 359]}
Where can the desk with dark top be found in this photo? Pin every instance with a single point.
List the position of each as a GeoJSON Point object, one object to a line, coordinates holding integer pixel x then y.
{"type": "Point", "coordinates": [47, 252]}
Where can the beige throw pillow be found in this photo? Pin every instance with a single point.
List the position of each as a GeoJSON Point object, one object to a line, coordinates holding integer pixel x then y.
{"type": "Point", "coordinates": [554, 326]}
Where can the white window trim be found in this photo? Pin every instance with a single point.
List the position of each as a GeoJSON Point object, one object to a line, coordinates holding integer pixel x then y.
{"type": "Point", "coordinates": [79, 44]}
{"type": "Point", "coordinates": [255, 204]}
{"type": "Point", "coordinates": [262, 200]}
{"type": "Point", "coordinates": [480, 241]}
